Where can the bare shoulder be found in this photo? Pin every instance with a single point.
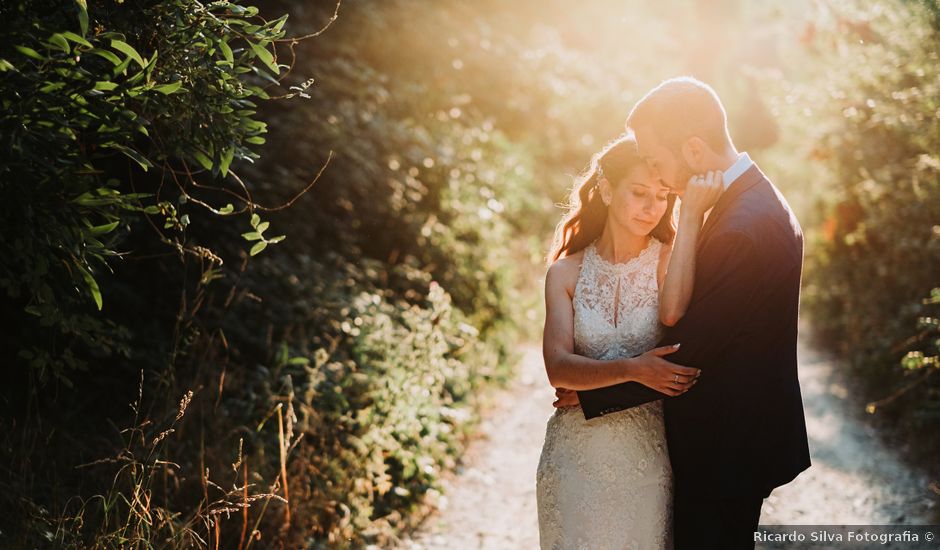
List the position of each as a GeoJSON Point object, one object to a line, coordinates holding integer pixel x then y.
{"type": "Point", "coordinates": [564, 272]}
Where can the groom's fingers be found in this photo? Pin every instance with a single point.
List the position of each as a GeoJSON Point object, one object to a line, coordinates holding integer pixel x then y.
{"type": "Point", "coordinates": [565, 401]}
{"type": "Point", "coordinates": [685, 371]}
{"type": "Point", "coordinates": [681, 386]}
{"type": "Point", "coordinates": [680, 390]}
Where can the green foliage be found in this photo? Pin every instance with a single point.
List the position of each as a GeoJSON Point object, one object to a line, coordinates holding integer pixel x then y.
{"type": "Point", "coordinates": [258, 235]}
{"type": "Point", "coordinates": [404, 239]}
{"type": "Point", "coordinates": [115, 120]}
{"type": "Point", "coordinates": [93, 97]}
{"type": "Point", "coordinates": [924, 359]}
{"type": "Point", "coordinates": [398, 301]}
{"type": "Point", "coordinates": [930, 328]}
{"type": "Point", "coordinates": [383, 409]}
{"type": "Point", "coordinates": [876, 128]}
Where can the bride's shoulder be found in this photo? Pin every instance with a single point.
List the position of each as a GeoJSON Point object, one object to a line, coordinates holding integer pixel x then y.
{"type": "Point", "coordinates": [564, 272]}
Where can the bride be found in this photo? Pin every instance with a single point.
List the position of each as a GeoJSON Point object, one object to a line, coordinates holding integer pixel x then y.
{"type": "Point", "coordinates": [606, 483]}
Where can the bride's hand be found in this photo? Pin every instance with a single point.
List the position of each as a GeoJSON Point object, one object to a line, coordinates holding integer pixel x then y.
{"type": "Point", "coordinates": [702, 193]}
{"type": "Point", "coordinates": [655, 372]}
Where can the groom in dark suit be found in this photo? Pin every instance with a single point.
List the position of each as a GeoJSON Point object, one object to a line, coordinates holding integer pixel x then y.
{"type": "Point", "coordinates": [740, 432]}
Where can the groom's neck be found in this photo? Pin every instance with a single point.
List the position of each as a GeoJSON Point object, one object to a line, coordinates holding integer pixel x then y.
{"type": "Point", "coordinates": [725, 160]}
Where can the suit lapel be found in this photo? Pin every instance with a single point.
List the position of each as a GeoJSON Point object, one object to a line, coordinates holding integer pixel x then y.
{"type": "Point", "coordinates": [748, 179]}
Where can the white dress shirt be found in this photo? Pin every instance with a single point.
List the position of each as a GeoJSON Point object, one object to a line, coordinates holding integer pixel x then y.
{"type": "Point", "coordinates": [737, 169]}
{"type": "Point", "coordinates": [733, 172]}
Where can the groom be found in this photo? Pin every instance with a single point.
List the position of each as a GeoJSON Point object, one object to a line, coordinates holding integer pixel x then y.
{"type": "Point", "coordinates": [740, 432]}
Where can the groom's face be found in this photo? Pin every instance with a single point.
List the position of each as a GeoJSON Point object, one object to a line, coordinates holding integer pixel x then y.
{"type": "Point", "coordinates": [667, 165]}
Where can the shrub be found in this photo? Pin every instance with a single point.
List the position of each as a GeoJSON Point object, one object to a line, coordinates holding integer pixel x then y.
{"type": "Point", "coordinates": [92, 99]}
{"type": "Point", "coordinates": [877, 252]}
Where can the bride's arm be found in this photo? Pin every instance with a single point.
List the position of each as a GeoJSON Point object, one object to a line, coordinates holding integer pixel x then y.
{"type": "Point", "coordinates": [565, 368]}
{"type": "Point", "coordinates": [676, 289]}
{"type": "Point", "coordinates": [571, 371]}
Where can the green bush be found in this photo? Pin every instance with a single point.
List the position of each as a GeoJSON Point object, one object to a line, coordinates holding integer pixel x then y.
{"type": "Point", "coordinates": [926, 357]}
{"type": "Point", "coordinates": [116, 119]}
{"type": "Point", "coordinates": [92, 99]}
{"type": "Point", "coordinates": [382, 409]}
{"type": "Point", "coordinates": [406, 215]}
{"type": "Point", "coordinates": [397, 302]}
{"type": "Point", "coordinates": [876, 130]}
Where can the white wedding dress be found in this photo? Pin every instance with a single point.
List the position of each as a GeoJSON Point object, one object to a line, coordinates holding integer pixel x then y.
{"type": "Point", "coordinates": [606, 483]}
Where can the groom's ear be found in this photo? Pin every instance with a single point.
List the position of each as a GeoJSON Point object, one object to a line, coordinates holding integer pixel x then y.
{"type": "Point", "coordinates": [694, 151]}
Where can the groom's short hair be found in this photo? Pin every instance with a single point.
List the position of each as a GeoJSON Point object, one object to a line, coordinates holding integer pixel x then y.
{"type": "Point", "coordinates": [680, 108]}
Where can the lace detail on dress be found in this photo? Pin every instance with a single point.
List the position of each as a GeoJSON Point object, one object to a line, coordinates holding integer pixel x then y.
{"type": "Point", "coordinates": [637, 312]}
{"type": "Point", "coordinates": [606, 483]}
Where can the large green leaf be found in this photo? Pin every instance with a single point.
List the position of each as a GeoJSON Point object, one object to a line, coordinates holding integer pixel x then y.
{"type": "Point", "coordinates": [226, 52]}
{"type": "Point", "coordinates": [105, 85]}
{"type": "Point", "coordinates": [92, 285]}
{"type": "Point", "coordinates": [83, 16]}
{"type": "Point", "coordinates": [77, 39]}
{"type": "Point", "coordinates": [59, 41]}
{"type": "Point", "coordinates": [226, 161]}
{"type": "Point", "coordinates": [265, 56]}
{"type": "Point", "coordinates": [132, 154]}
{"type": "Point", "coordinates": [258, 247]}
{"type": "Point", "coordinates": [29, 52]}
{"type": "Point", "coordinates": [107, 55]}
{"type": "Point", "coordinates": [104, 229]}
{"type": "Point", "coordinates": [128, 50]}
{"type": "Point", "coordinates": [202, 159]}
{"type": "Point", "coordinates": [169, 88]}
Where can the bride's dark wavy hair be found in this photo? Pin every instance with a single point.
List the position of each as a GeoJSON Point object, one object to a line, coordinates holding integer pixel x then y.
{"type": "Point", "coordinates": [586, 212]}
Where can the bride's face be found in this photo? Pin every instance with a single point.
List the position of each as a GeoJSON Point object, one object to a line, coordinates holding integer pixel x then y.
{"type": "Point", "coordinates": [639, 201]}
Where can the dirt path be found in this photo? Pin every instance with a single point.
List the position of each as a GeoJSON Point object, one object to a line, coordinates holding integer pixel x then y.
{"type": "Point", "coordinates": [854, 479]}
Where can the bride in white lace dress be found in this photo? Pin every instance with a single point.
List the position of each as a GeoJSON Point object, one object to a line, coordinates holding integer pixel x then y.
{"type": "Point", "coordinates": [606, 483]}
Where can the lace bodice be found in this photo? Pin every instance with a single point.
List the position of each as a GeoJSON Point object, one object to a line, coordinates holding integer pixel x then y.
{"type": "Point", "coordinates": [607, 326]}
{"type": "Point", "coordinates": [606, 483]}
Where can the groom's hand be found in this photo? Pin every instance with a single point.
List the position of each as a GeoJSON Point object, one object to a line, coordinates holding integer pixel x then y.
{"type": "Point", "coordinates": [566, 398]}
{"type": "Point", "coordinates": [701, 194]}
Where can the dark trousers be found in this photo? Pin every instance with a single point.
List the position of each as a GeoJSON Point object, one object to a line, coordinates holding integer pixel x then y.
{"type": "Point", "coordinates": [702, 523]}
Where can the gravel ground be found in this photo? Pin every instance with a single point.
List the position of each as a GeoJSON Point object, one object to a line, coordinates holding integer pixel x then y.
{"type": "Point", "coordinates": [490, 502]}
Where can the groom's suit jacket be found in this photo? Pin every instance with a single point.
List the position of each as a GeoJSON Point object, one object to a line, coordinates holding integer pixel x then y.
{"type": "Point", "coordinates": [740, 431]}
